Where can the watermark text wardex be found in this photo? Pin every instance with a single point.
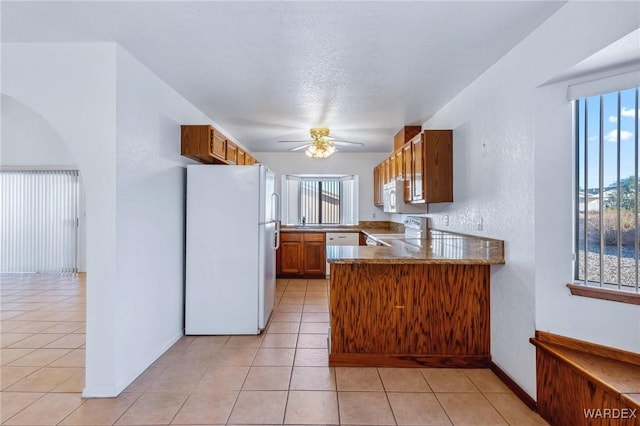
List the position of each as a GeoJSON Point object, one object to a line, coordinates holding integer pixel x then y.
{"type": "Point", "coordinates": [610, 413]}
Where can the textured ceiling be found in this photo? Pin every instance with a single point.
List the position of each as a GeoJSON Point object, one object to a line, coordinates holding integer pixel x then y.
{"type": "Point", "coordinates": [266, 71]}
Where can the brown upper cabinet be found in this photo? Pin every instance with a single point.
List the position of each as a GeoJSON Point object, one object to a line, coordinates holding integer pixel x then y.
{"type": "Point", "coordinates": [405, 135]}
{"type": "Point", "coordinates": [425, 165]}
{"type": "Point", "coordinates": [386, 168]}
{"type": "Point", "coordinates": [196, 142]}
{"type": "Point", "coordinates": [436, 171]}
{"type": "Point", "coordinates": [207, 145]}
{"type": "Point", "coordinates": [399, 160]}
{"type": "Point", "coordinates": [377, 185]}
{"type": "Point", "coordinates": [232, 153]}
{"type": "Point", "coordinates": [407, 159]}
{"type": "Point", "coordinates": [392, 167]}
{"type": "Point", "coordinates": [219, 149]}
{"type": "Point", "coordinates": [417, 186]}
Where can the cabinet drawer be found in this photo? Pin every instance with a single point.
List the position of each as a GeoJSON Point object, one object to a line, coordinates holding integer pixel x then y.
{"type": "Point", "coordinates": [314, 236]}
{"type": "Point", "coordinates": [290, 236]}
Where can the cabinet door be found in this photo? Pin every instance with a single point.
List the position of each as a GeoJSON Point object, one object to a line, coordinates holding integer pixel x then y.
{"type": "Point", "coordinates": [241, 157]}
{"type": "Point", "coordinates": [314, 256]}
{"type": "Point", "coordinates": [408, 171]}
{"type": "Point", "coordinates": [417, 184]}
{"type": "Point", "coordinates": [386, 170]}
{"type": "Point", "coordinates": [290, 255]}
{"type": "Point", "coordinates": [393, 173]}
{"type": "Point", "coordinates": [438, 166]}
{"type": "Point", "coordinates": [377, 186]}
{"type": "Point", "coordinates": [219, 145]}
{"type": "Point", "coordinates": [399, 160]}
{"type": "Point", "coordinates": [367, 314]}
{"type": "Point", "coordinates": [232, 153]}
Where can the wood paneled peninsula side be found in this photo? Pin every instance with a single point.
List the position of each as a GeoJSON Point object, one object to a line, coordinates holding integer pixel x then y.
{"type": "Point", "coordinates": [413, 303]}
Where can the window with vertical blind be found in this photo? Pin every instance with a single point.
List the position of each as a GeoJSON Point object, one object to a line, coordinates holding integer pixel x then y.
{"type": "Point", "coordinates": [320, 199]}
{"type": "Point", "coordinates": [39, 220]}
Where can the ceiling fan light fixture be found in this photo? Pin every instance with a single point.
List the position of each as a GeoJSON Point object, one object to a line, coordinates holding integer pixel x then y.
{"type": "Point", "coordinates": [320, 148]}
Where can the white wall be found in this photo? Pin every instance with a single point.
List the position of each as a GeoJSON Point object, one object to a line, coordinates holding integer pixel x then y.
{"type": "Point", "coordinates": [72, 87]}
{"type": "Point", "coordinates": [360, 164]}
{"type": "Point", "coordinates": [601, 321]}
{"type": "Point", "coordinates": [150, 203]}
{"type": "Point", "coordinates": [499, 161]}
{"type": "Point", "coordinates": [121, 125]}
{"type": "Point", "coordinates": [28, 140]}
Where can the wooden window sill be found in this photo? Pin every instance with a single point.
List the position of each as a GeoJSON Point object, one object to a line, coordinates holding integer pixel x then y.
{"type": "Point", "coordinates": [605, 294]}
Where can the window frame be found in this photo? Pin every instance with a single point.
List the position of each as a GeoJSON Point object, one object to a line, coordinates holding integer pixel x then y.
{"type": "Point", "coordinates": [348, 214]}
{"type": "Point", "coordinates": [582, 286]}
{"type": "Point", "coordinates": [319, 200]}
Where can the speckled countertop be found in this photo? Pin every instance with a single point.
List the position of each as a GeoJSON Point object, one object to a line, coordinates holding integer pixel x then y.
{"type": "Point", "coordinates": [440, 247]}
{"type": "Point", "coordinates": [316, 228]}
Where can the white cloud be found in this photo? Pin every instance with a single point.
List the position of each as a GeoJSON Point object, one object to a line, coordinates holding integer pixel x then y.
{"type": "Point", "coordinates": [613, 119]}
{"type": "Point", "coordinates": [628, 112]}
{"type": "Point", "coordinates": [612, 136]}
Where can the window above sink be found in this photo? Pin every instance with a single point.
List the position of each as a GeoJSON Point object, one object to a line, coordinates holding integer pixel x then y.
{"type": "Point", "coordinates": [319, 200]}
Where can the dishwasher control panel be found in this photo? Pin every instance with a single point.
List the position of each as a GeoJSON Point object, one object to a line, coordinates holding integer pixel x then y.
{"type": "Point", "coordinates": [343, 238]}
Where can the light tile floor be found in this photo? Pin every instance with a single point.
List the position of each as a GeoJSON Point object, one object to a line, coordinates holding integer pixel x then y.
{"type": "Point", "coordinates": [279, 377]}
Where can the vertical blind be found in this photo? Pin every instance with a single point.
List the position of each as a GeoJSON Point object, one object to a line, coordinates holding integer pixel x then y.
{"type": "Point", "coordinates": [320, 199]}
{"type": "Point", "coordinates": [38, 227]}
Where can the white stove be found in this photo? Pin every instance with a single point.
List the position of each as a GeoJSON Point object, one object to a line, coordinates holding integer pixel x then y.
{"type": "Point", "coordinates": [416, 227]}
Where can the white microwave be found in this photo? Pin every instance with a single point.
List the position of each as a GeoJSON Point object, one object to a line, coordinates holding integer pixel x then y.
{"type": "Point", "coordinates": [393, 199]}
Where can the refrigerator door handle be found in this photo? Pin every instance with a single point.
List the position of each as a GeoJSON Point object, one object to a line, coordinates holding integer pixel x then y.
{"type": "Point", "coordinates": [275, 206]}
{"type": "Point", "coordinates": [277, 246]}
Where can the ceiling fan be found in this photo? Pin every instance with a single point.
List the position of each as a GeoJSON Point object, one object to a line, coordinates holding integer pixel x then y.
{"type": "Point", "coordinates": [321, 144]}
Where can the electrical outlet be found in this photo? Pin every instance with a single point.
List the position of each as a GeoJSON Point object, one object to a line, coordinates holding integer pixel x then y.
{"type": "Point", "coordinates": [446, 220]}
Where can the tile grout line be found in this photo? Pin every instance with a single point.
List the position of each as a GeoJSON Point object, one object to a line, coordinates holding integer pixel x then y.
{"type": "Point", "coordinates": [295, 354]}
{"type": "Point", "coordinates": [25, 407]}
{"type": "Point", "coordinates": [386, 395]}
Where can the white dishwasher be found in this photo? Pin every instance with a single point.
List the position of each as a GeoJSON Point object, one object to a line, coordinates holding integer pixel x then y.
{"type": "Point", "coordinates": [341, 239]}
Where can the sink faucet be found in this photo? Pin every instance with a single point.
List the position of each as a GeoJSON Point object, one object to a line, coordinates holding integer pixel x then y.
{"type": "Point", "coordinates": [304, 220]}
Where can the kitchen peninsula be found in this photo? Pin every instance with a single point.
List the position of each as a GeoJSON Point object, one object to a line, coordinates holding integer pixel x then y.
{"type": "Point", "coordinates": [413, 302]}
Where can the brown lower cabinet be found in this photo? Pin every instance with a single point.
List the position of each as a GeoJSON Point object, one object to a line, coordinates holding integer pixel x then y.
{"type": "Point", "coordinates": [301, 254]}
{"type": "Point", "coordinates": [409, 315]}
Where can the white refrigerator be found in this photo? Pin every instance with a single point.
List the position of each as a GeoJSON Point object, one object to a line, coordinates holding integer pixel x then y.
{"type": "Point", "coordinates": [231, 241]}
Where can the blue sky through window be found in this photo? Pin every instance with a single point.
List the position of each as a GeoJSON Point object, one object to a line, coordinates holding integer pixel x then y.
{"type": "Point", "coordinates": [625, 117]}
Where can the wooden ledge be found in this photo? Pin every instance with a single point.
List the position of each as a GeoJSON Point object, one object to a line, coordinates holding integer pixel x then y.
{"type": "Point", "coordinates": [616, 371]}
{"type": "Point", "coordinates": [584, 346]}
{"type": "Point", "coordinates": [604, 294]}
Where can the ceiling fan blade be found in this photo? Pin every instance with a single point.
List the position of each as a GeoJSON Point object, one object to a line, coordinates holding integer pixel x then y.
{"type": "Point", "coordinates": [338, 142]}
{"type": "Point", "coordinates": [298, 148]}
{"type": "Point", "coordinates": [300, 141]}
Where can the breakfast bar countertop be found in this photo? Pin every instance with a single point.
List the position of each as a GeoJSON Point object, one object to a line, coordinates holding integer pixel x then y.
{"type": "Point", "coordinates": [440, 247]}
